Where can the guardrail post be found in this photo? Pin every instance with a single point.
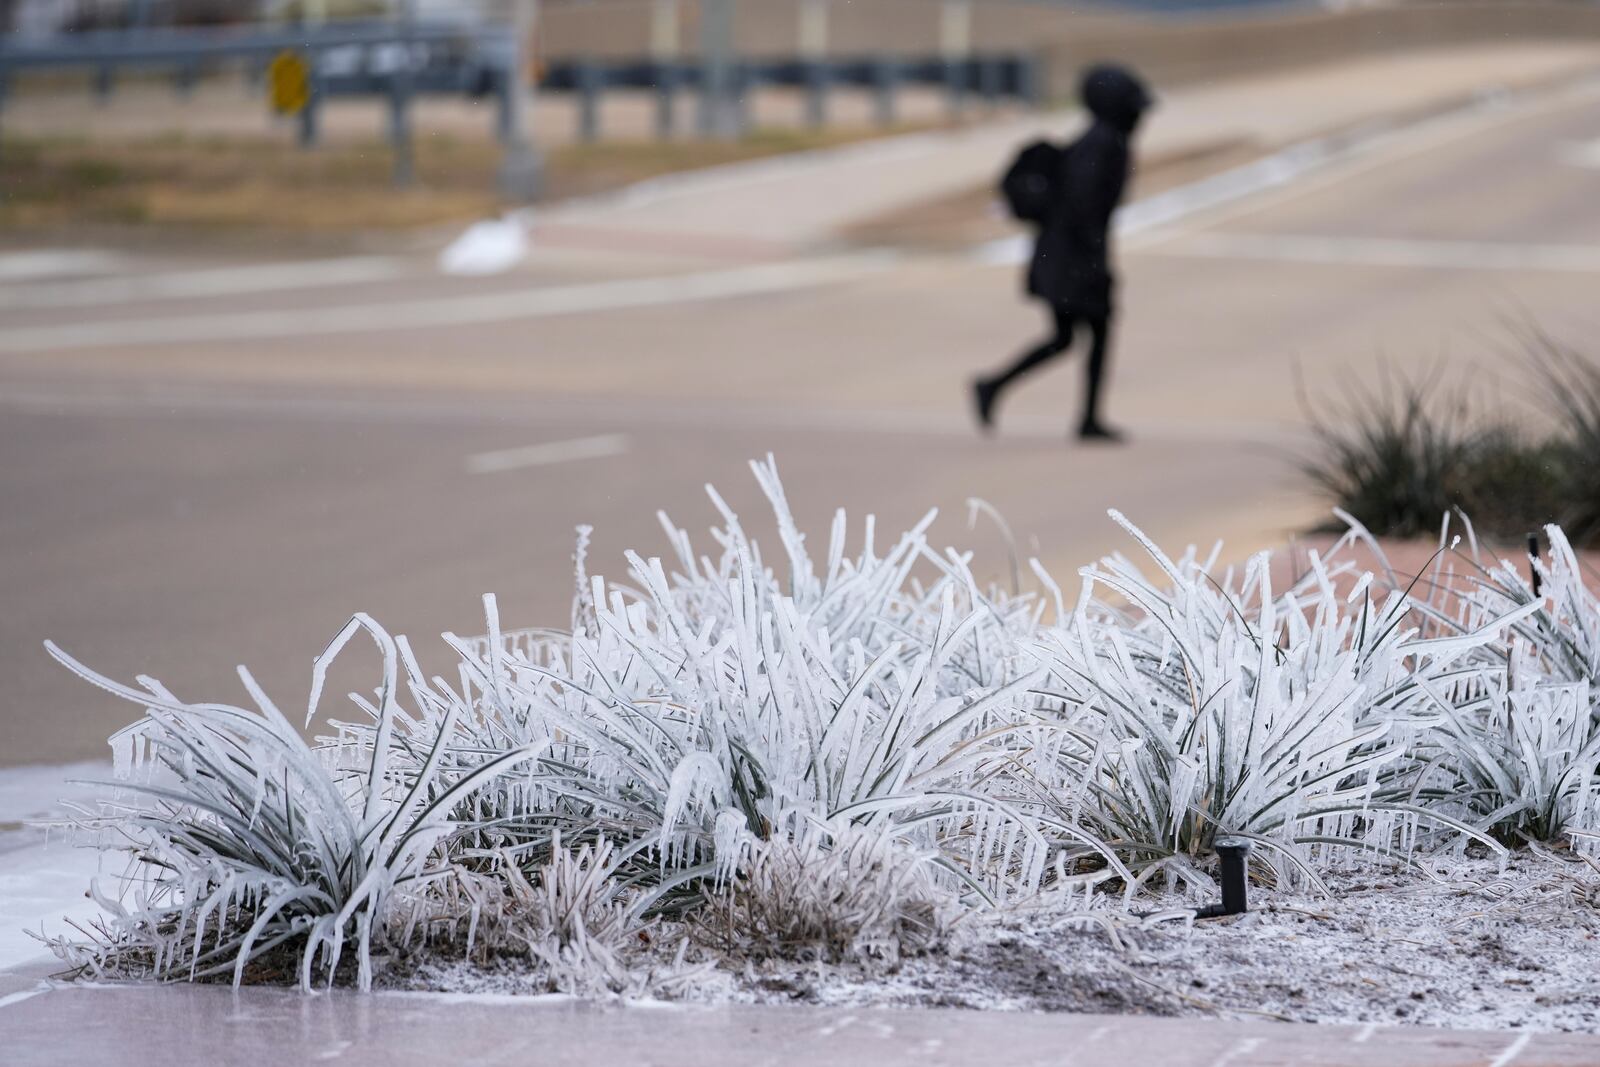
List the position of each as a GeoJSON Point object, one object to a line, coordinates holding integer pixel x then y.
{"type": "Point", "coordinates": [401, 89]}
{"type": "Point", "coordinates": [742, 86]}
{"type": "Point", "coordinates": [591, 81]}
{"type": "Point", "coordinates": [104, 82]}
{"type": "Point", "coordinates": [666, 99]}
{"type": "Point", "coordinates": [885, 79]}
{"type": "Point", "coordinates": [989, 81]}
{"type": "Point", "coordinates": [400, 124]}
{"type": "Point", "coordinates": [504, 86]}
{"type": "Point", "coordinates": [1029, 84]}
{"type": "Point", "coordinates": [819, 78]}
{"type": "Point", "coordinates": [310, 114]}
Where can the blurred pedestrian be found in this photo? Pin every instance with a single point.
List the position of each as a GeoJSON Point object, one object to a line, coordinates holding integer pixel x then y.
{"type": "Point", "coordinates": [1070, 194]}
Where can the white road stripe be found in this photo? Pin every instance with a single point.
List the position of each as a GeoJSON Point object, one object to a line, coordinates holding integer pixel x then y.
{"type": "Point", "coordinates": [551, 452]}
{"type": "Point", "coordinates": [17, 998]}
{"type": "Point", "coordinates": [1385, 252]}
{"type": "Point", "coordinates": [470, 309]}
{"type": "Point", "coordinates": [56, 263]}
{"type": "Point", "coordinates": [219, 281]}
{"type": "Point", "coordinates": [1511, 1051]}
{"type": "Point", "coordinates": [1243, 1047]}
{"type": "Point", "coordinates": [1337, 159]}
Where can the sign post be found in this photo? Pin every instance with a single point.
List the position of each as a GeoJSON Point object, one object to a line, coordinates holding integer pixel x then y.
{"type": "Point", "coordinates": [292, 89]}
{"type": "Point", "coordinates": [521, 169]}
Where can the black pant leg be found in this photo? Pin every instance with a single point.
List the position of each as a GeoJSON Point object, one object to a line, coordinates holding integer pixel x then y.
{"type": "Point", "coordinates": [1095, 369]}
{"type": "Point", "coordinates": [1058, 343]}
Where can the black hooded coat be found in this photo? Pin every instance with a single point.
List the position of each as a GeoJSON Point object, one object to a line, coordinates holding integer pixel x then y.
{"type": "Point", "coordinates": [1071, 266]}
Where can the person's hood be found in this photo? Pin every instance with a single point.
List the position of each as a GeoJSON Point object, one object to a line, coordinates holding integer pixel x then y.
{"type": "Point", "coordinates": [1115, 95]}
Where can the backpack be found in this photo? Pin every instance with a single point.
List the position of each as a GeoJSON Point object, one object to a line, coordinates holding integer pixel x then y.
{"type": "Point", "coordinates": [1031, 186]}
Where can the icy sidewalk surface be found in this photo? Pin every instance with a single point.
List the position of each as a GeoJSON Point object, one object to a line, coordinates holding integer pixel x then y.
{"type": "Point", "coordinates": [43, 876]}
{"type": "Point", "coordinates": [133, 1027]}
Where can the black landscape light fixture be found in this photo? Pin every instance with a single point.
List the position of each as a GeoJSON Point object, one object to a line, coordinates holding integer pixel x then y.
{"type": "Point", "coordinates": [1533, 562]}
{"type": "Point", "coordinates": [1234, 854]}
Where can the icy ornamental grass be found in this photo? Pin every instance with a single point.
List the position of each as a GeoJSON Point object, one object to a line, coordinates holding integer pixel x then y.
{"type": "Point", "coordinates": [834, 757]}
{"type": "Point", "coordinates": [246, 838]}
{"type": "Point", "coordinates": [1214, 706]}
{"type": "Point", "coordinates": [1518, 754]}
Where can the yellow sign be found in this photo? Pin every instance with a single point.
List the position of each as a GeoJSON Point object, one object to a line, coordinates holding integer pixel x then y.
{"type": "Point", "coordinates": [289, 79]}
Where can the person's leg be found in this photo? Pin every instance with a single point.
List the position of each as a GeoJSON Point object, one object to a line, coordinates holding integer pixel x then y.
{"type": "Point", "coordinates": [1094, 382]}
{"type": "Point", "coordinates": [987, 390]}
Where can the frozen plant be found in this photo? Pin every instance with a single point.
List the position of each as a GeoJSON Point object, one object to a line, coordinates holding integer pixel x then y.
{"type": "Point", "coordinates": [688, 714]}
{"type": "Point", "coordinates": [830, 757]}
{"type": "Point", "coordinates": [1520, 763]}
{"type": "Point", "coordinates": [570, 923]}
{"type": "Point", "coordinates": [831, 894]}
{"type": "Point", "coordinates": [1519, 754]}
{"type": "Point", "coordinates": [1207, 707]}
{"type": "Point", "coordinates": [248, 841]}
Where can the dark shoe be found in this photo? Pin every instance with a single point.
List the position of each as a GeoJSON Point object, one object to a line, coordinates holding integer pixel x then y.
{"type": "Point", "coordinates": [1095, 432]}
{"type": "Point", "coordinates": [983, 396]}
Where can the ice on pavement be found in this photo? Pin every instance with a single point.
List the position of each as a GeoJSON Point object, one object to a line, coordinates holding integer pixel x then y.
{"type": "Point", "coordinates": [44, 875]}
{"type": "Point", "coordinates": [489, 247]}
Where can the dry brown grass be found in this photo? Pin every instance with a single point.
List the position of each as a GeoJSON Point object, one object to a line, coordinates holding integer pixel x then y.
{"type": "Point", "coordinates": [213, 184]}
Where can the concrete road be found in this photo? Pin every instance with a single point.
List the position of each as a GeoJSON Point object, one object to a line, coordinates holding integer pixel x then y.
{"type": "Point", "coordinates": [213, 462]}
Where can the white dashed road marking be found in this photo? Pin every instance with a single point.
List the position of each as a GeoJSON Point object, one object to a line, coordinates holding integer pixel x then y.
{"type": "Point", "coordinates": [1386, 252]}
{"type": "Point", "coordinates": [213, 281]}
{"type": "Point", "coordinates": [1511, 1051]}
{"type": "Point", "coordinates": [549, 453]}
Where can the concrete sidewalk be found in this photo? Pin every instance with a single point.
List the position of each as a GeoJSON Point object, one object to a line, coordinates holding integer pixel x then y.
{"type": "Point", "coordinates": [795, 202]}
{"type": "Point", "coordinates": [157, 1026]}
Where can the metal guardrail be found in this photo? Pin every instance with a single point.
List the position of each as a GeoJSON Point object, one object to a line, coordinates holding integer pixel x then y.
{"type": "Point", "coordinates": [991, 78]}
{"type": "Point", "coordinates": [398, 60]}
{"type": "Point", "coordinates": [169, 47]}
{"type": "Point", "coordinates": [415, 57]}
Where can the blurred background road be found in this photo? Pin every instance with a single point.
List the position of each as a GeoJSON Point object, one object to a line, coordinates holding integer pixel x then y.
{"type": "Point", "coordinates": [217, 449]}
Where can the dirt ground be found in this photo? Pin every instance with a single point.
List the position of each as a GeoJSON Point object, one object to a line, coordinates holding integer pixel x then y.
{"type": "Point", "coordinates": [1457, 942]}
